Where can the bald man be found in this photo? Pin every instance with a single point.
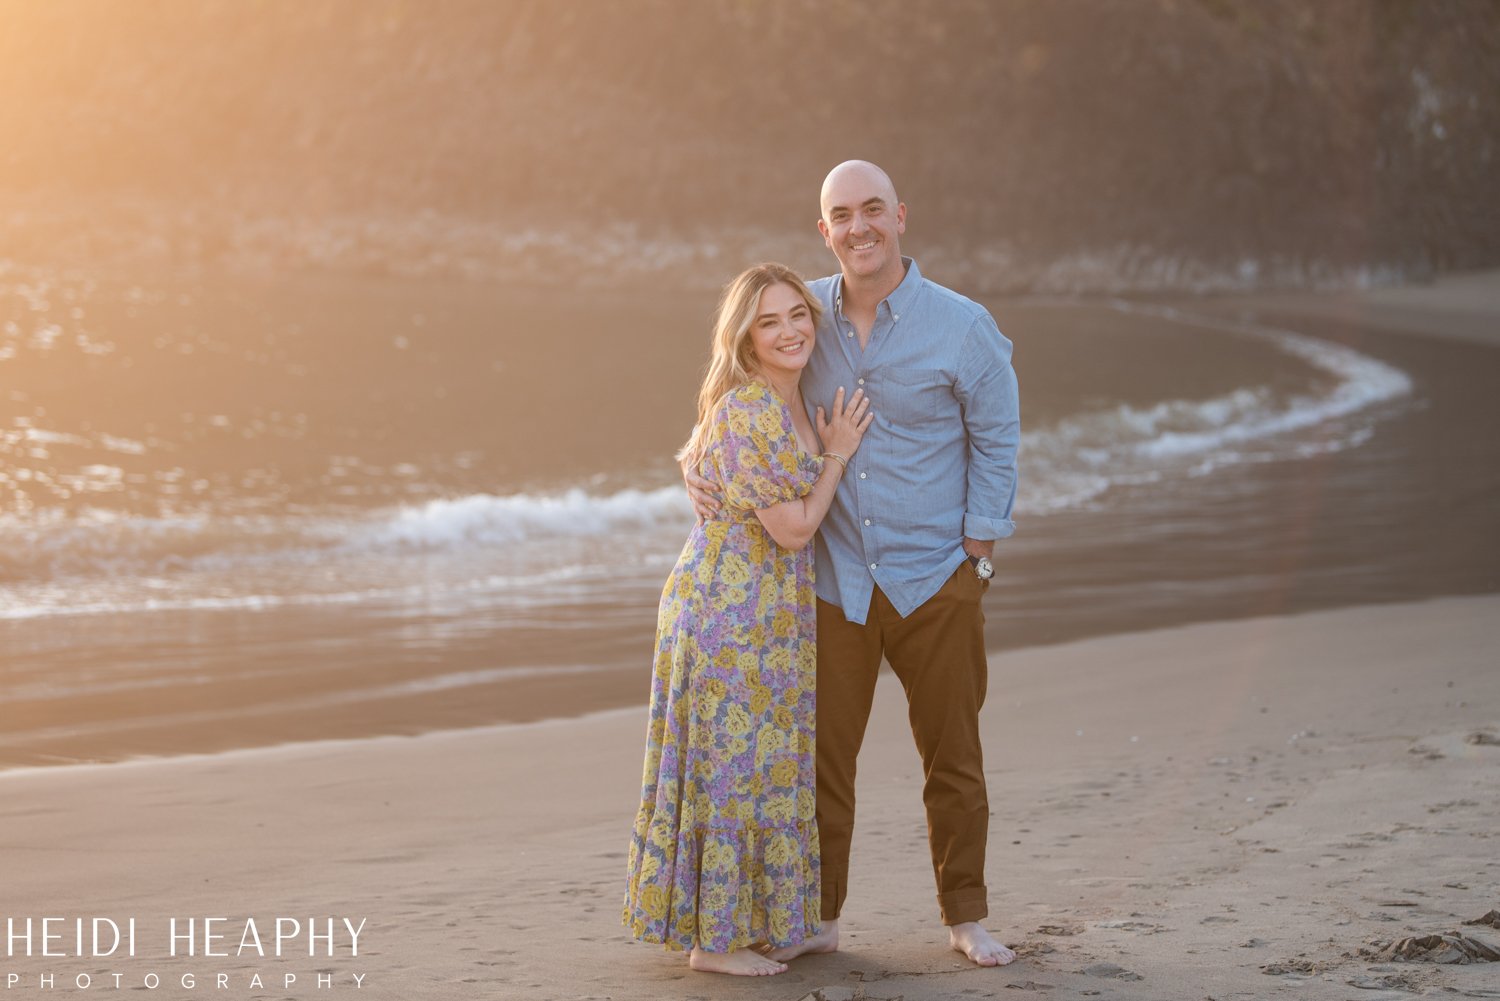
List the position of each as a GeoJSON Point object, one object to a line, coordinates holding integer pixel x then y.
{"type": "Point", "coordinates": [903, 557]}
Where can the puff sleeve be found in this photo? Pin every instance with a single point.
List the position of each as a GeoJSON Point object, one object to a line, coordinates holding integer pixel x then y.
{"type": "Point", "coordinates": [757, 460]}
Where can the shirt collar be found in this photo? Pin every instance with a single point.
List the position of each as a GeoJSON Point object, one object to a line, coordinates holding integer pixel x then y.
{"type": "Point", "coordinates": [899, 299]}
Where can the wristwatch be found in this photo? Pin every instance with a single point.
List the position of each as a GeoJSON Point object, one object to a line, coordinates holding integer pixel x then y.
{"type": "Point", "coordinates": [983, 568]}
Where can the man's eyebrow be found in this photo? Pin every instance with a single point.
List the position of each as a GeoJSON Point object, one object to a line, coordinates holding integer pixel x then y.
{"type": "Point", "coordinates": [876, 200]}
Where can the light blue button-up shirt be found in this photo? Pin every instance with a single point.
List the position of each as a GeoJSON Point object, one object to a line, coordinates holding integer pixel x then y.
{"type": "Point", "coordinates": [938, 463]}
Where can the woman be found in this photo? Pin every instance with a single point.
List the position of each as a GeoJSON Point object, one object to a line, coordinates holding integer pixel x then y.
{"type": "Point", "coordinates": [725, 850]}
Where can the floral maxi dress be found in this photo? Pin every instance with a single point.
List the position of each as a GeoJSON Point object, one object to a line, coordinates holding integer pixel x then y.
{"type": "Point", "coordinates": [725, 847]}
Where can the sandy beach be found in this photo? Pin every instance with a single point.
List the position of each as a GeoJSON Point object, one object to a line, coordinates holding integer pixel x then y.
{"type": "Point", "coordinates": [1221, 810]}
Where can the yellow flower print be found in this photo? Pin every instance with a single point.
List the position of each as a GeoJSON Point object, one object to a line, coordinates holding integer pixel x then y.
{"type": "Point", "coordinates": [687, 925]}
{"type": "Point", "coordinates": [738, 421]}
{"type": "Point", "coordinates": [768, 742]}
{"type": "Point", "coordinates": [661, 837]}
{"type": "Point", "coordinates": [715, 688]}
{"type": "Point", "coordinates": [779, 849]}
{"type": "Point", "coordinates": [784, 772]}
{"type": "Point", "coordinates": [747, 811]}
{"type": "Point", "coordinates": [737, 745]}
{"type": "Point", "coordinates": [736, 596]}
{"type": "Point", "coordinates": [714, 898]}
{"type": "Point", "coordinates": [783, 717]}
{"type": "Point", "coordinates": [779, 660]}
{"type": "Point", "coordinates": [654, 901]}
{"type": "Point", "coordinates": [760, 699]}
{"type": "Point", "coordinates": [737, 720]}
{"type": "Point", "coordinates": [784, 624]}
{"type": "Point", "coordinates": [717, 856]}
{"type": "Point", "coordinates": [780, 922]}
{"type": "Point", "coordinates": [733, 570]}
{"type": "Point", "coordinates": [649, 867]}
{"type": "Point", "coordinates": [757, 784]}
{"type": "Point", "coordinates": [787, 461]}
{"type": "Point", "coordinates": [779, 808]}
{"type": "Point", "coordinates": [768, 422]}
{"type": "Point", "coordinates": [807, 804]}
{"type": "Point", "coordinates": [791, 696]}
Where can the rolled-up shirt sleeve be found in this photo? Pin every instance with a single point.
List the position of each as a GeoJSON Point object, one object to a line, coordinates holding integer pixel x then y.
{"type": "Point", "coordinates": [986, 389]}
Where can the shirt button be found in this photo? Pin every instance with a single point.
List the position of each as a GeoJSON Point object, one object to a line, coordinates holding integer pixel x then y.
{"type": "Point", "coordinates": [861, 382]}
{"type": "Point", "coordinates": [874, 565]}
{"type": "Point", "coordinates": [867, 521]}
{"type": "Point", "coordinates": [848, 333]}
{"type": "Point", "coordinates": [861, 475]}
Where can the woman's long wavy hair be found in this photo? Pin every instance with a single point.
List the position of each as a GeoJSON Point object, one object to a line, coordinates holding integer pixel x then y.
{"type": "Point", "coordinates": [732, 363]}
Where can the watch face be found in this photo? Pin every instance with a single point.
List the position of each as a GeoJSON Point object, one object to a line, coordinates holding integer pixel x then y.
{"type": "Point", "coordinates": [984, 569]}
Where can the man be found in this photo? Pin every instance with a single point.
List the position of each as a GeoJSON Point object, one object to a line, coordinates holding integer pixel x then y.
{"type": "Point", "coordinates": [903, 556]}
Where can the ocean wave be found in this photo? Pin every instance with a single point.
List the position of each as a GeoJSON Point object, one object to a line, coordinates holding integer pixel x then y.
{"type": "Point", "coordinates": [1080, 458]}
{"type": "Point", "coordinates": [486, 519]}
{"type": "Point", "coordinates": [517, 544]}
{"type": "Point", "coordinates": [101, 542]}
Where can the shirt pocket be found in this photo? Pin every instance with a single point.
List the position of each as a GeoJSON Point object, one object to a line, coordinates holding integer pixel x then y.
{"type": "Point", "coordinates": [911, 395]}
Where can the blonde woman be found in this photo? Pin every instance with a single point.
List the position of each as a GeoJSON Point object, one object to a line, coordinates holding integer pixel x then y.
{"type": "Point", "coordinates": [724, 855]}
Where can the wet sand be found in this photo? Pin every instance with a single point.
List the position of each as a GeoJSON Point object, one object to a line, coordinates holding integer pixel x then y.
{"type": "Point", "coordinates": [1219, 810]}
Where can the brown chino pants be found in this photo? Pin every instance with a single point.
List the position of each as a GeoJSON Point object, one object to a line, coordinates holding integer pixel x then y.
{"type": "Point", "coordinates": [937, 652]}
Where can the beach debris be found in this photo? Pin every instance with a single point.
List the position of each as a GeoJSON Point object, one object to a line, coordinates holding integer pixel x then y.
{"type": "Point", "coordinates": [1110, 971]}
{"type": "Point", "coordinates": [1448, 947]}
{"type": "Point", "coordinates": [1145, 927]}
{"type": "Point", "coordinates": [829, 994]}
{"type": "Point", "coordinates": [1060, 930]}
{"type": "Point", "coordinates": [1290, 967]}
{"type": "Point", "coordinates": [1492, 919]}
{"type": "Point", "coordinates": [1030, 948]}
{"type": "Point", "coordinates": [1482, 737]}
{"type": "Point", "coordinates": [1390, 982]}
{"type": "Point", "coordinates": [1030, 985]}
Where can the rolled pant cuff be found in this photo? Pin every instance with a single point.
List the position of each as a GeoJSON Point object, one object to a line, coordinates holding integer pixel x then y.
{"type": "Point", "coordinates": [959, 906]}
{"type": "Point", "coordinates": [835, 889]}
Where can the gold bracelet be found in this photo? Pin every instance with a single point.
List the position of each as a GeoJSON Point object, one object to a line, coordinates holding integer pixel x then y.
{"type": "Point", "coordinates": [834, 455]}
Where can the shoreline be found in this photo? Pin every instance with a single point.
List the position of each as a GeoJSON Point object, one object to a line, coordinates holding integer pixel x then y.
{"type": "Point", "coordinates": [292, 748]}
{"type": "Point", "coordinates": [1117, 571]}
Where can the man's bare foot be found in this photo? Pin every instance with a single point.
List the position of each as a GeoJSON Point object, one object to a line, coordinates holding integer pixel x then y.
{"type": "Point", "coordinates": [980, 946]}
{"type": "Point", "coordinates": [826, 940]}
{"type": "Point", "coordinates": [739, 963]}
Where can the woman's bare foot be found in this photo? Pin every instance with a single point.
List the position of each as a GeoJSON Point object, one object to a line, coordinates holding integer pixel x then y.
{"type": "Point", "coordinates": [826, 940]}
{"type": "Point", "coordinates": [739, 963]}
{"type": "Point", "coordinates": [980, 946]}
